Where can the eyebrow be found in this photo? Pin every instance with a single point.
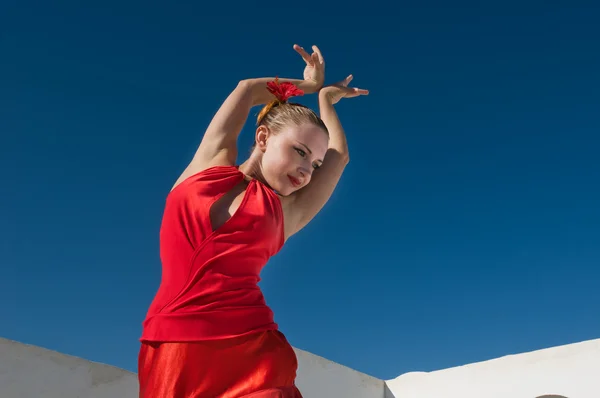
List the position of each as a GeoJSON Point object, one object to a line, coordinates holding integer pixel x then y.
{"type": "Point", "coordinates": [308, 149]}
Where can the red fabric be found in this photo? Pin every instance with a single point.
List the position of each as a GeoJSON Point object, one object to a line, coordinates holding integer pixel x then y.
{"type": "Point", "coordinates": [259, 365]}
{"type": "Point", "coordinates": [209, 287]}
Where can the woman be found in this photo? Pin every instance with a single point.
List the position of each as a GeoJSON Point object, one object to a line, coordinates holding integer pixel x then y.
{"type": "Point", "coordinates": [209, 332]}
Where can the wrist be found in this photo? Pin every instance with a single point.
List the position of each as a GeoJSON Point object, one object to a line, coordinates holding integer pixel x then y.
{"type": "Point", "coordinates": [325, 97]}
{"type": "Point", "coordinates": [310, 86]}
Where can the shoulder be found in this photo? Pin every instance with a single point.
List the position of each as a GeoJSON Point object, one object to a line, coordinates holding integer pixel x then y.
{"type": "Point", "coordinates": [198, 165]}
{"type": "Point", "coordinates": [216, 172]}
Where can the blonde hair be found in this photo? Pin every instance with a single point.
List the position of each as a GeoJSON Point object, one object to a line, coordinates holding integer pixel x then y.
{"type": "Point", "coordinates": [276, 115]}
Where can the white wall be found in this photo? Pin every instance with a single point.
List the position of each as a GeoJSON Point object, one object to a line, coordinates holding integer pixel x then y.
{"type": "Point", "coordinates": [320, 378]}
{"type": "Point", "coordinates": [572, 371]}
{"type": "Point", "coordinates": [30, 372]}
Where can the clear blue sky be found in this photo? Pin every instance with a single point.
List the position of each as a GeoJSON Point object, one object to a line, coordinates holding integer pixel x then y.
{"type": "Point", "coordinates": [466, 227]}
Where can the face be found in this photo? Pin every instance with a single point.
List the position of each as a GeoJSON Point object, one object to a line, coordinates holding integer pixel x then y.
{"type": "Point", "coordinates": [291, 156]}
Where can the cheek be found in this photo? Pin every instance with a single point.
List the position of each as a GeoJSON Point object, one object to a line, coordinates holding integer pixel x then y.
{"type": "Point", "coordinates": [275, 161]}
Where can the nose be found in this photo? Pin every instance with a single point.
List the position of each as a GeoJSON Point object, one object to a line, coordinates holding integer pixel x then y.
{"type": "Point", "coordinates": [304, 172]}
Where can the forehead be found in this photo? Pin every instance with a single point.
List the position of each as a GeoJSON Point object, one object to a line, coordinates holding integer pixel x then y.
{"type": "Point", "coordinates": [309, 134]}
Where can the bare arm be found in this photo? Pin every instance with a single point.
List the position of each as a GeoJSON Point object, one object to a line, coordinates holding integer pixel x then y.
{"type": "Point", "coordinates": [219, 144]}
{"type": "Point", "coordinates": [311, 199]}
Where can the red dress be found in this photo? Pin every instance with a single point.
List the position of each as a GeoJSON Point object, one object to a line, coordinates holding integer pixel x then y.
{"type": "Point", "coordinates": [208, 331]}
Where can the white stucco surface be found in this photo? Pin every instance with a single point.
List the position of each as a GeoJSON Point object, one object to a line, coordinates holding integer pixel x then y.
{"type": "Point", "coordinates": [570, 371]}
{"type": "Point", "coordinates": [318, 377]}
{"type": "Point", "coordinates": [28, 371]}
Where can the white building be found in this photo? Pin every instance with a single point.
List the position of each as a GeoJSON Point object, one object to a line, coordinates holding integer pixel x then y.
{"type": "Point", "coordinates": [569, 371]}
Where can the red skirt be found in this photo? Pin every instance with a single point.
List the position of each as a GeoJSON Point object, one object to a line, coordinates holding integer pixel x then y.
{"type": "Point", "coordinates": [259, 365]}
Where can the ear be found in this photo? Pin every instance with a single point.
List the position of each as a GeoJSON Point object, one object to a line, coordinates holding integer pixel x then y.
{"type": "Point", "coordinates": [262, 135]}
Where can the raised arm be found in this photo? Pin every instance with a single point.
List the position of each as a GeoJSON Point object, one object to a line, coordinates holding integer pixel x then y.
{"type": "Point", "coordinates": [310, 200]}
{"type": "Point", "coordinates": [219, 143]}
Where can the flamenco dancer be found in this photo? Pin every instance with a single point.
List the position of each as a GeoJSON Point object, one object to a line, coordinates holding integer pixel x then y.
{"type": "Point", "coordinates": [208, 331]}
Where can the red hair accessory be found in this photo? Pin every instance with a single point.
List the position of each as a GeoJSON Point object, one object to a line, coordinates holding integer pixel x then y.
{"type": "Point", "coordinates": [283, 91]}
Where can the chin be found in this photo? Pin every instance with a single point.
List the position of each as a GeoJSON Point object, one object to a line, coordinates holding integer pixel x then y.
{"type": "Point", "coordinates": [285, 189]}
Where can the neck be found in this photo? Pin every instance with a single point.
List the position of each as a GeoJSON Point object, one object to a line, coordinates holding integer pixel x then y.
{"type": "Point", "coordinates": [252, 167]}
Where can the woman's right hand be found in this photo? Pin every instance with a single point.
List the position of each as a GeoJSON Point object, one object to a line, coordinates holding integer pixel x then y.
{"type": "Point", "coordinates": [314, 72]}
{"type": "Point", "coordinates": [335, 92]}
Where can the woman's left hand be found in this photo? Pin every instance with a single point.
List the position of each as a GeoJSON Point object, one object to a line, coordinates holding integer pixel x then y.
{"type": "Point", "coordinates": [314, 72]}
{"type": "Point", "coordinates": [335, 92]}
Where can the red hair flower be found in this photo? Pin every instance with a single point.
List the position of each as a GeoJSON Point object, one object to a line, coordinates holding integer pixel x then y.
{"type": "Point", "coordinates": [283, 91]}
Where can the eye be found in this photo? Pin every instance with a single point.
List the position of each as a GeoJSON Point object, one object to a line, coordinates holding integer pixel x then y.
{"type": "Point", "coordinates": [300, 152]}
{"type": "Point", "coordinates": [316, 166]}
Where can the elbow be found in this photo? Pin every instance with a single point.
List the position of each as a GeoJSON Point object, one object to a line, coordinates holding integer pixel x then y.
{"type": "Point", "coordinates": [251, 89]}
{"type": "Point", "coordinates": [244, 84]}
{"type": "Point", "coordinates": [340, 156]}
{"type": "Point", "coordinates": [344, 158]}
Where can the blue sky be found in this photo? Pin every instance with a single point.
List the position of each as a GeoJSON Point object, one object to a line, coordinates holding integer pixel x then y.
{"type": "Point", "coordinates": [467, 224]}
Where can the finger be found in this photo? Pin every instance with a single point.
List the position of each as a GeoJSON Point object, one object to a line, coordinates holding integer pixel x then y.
{"type": "Point", "coordinates": [361, 91]}
{"type": "Point", "coordinates": [346, 81]}
{"type": "Point", "coordinates": [316, 49]}
{"type": "Point", "coordinates": [303, 53]}
{"type": "Point", "coordinates": [355, 92]}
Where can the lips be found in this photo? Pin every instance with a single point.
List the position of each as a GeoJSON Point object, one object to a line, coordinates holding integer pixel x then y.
{"type": "Point", "coordinates": [295, 182]}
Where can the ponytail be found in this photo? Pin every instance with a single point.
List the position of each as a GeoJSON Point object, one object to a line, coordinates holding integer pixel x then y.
{"type": "Point", "coordinates": [282, 92]}
{"type": "Point", "coordinates": [265, 110]}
